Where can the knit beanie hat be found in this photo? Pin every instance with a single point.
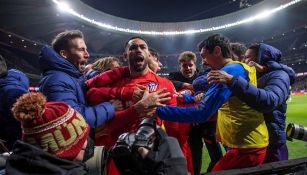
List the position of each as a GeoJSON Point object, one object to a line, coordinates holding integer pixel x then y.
{"type": "Point", "coordinates": [53, 126]}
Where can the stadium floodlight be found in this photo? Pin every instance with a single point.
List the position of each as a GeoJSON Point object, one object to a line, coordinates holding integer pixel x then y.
{"type": "Point", "coordinates": [264, 14]}
{"type": "Point", "coordinates": [63, 6]}
{"type": "Point", "coordinates": [168, 31]}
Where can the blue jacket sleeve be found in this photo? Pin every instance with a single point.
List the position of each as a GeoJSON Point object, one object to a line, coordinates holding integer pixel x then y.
{"type": "Point", "coordinates": [17, 88]}
{"type": "Point", "coordinates": [188, 98]}
{"type": "Point", "coordinates": [64, 89]}
{"type": "Point", "coordinates": [264, 100]}
{"type": "Point", "coordinates": [215, 97]}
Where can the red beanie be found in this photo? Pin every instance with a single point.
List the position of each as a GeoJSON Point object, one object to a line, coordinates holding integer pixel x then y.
{"type": "Point", "coordinates": [54, 126]}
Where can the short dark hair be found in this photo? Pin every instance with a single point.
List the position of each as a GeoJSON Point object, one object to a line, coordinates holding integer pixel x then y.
{"type": "Point", "coordinates": [255, 48]}
{"type": "Point", "coordinates": [135, 37]}
{"type": "Point", "coordinates": [154, 53]}
{"type": "Point", "coordinates": [3, 67]}
{"type": "Point", "coordinates": [61, 41]}
{"type": "Point", "coordinates": [238, 48]}
{"type": "Point", "coordinates": [216, 40]}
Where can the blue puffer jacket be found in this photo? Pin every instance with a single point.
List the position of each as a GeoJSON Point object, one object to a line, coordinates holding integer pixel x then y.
{"type": "Point", "coordinates": [63, 82]}
{"type": "Point", "coordinates": [271, 95]}
{"type": "Point", "coordinates": [13, 84]}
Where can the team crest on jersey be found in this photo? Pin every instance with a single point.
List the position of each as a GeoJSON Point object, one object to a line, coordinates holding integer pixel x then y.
{"type": "Point", "coordinates": [152, 86]}
{"type": "Point", "coordinates": [186, 92]}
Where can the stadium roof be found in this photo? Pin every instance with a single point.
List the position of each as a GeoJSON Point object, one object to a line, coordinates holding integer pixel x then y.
{"type": "Point", "coordinates": [41, 20]}
{"type": "Point", "coordinates": [168, 10]}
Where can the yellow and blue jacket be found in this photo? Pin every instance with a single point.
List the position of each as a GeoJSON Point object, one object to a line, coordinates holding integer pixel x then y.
{"type": "Point", "coordinates": [238, 125]}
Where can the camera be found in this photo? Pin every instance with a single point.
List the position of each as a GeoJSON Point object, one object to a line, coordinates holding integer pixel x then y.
{"type": "Point", "coordinates": [97, 163]}
{"type": "Point", "coordinates": [95, 157]}
{"type": "Point", "coordinates": [125, 151]}
{"type": "Point", "coordinates": [297, 131]}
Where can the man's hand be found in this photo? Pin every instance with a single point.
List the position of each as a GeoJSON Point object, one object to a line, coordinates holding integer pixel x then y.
{"type": "Point", "coordinates": [220, 77]}
{"type": "Point", "coordinates": [147, 105]}
{"type": "Point", "coordinates": [138, 92]}
{"type": "Point", "coordinates": [117, 104]}
{"type": "Point", "coordinates": [198, 97]}
{"type": "Point", "coordinates": [258, 67]}
{"type": "Point", "coordinates": [179, 96]}
{"type": "Point", "coordinates": [187, 86]}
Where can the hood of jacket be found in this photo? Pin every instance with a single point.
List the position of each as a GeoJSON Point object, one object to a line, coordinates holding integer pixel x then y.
{"type": "Point", "coordinates": [28, 159]}
{"type": "Point", "coordinates": [51, 60]}
{"type": "Point", "coordinates": [268, 53]}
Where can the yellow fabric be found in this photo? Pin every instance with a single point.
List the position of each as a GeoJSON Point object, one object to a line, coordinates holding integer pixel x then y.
{"type": "Point", "coordinates": [163, 127]}
{"type": "Point", "coordinates": [240, 126]}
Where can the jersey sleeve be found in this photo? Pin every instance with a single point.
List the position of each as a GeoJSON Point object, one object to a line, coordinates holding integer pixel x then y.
{"type": "Point", "coordinates": [108, 77]}
{"type": "Point", "coordinates": [215, 97]}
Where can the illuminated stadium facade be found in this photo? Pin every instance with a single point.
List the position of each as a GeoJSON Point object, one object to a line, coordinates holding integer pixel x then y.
{"type": "Point", "coordinates": [100, 19]}
{"type": "Point", "coordinates": [41, 20]}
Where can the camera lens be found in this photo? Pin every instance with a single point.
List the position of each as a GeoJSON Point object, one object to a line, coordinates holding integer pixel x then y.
{"type": "Point", "coordinates": [297, 131]}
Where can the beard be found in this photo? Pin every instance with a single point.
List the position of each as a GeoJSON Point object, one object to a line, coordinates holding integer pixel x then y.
{"type": "Point", "coordinates": [138, 63]}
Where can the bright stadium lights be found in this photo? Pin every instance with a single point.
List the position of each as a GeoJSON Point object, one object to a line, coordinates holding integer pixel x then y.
{"type": "Point", "coordinates": [264, 14]}
{"type": "Point", "coordinates": [63, 6]}
{"type": "Point", "coordinates": [127, 29]}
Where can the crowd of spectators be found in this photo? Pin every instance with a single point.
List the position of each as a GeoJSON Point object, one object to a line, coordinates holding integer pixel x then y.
{"type": "Point", "coordinates": [300, 84]}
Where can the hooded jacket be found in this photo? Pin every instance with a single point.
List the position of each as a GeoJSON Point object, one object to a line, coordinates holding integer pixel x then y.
{"type": "Point", "coordinates": [62, 81]}
{"type": "Point", "coordinates": [28, 159]}
{"type": "Point", "coordinates": [13, 84]}
{"type": "Point", "coordinates": [272, 92]}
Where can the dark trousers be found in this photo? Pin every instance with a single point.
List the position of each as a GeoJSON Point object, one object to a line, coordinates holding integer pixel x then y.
{"type": "Point", "coordinates": [199, 132]}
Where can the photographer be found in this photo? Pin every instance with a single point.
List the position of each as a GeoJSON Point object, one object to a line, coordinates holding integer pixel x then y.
{"type": "Point", "coordinates": [168, 160]}
{"type": "Point", "coordinates": [149, 151]}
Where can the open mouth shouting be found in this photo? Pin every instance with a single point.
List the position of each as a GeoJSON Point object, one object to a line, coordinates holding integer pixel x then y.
{"type": "Point", "coordinates": [138, 63]}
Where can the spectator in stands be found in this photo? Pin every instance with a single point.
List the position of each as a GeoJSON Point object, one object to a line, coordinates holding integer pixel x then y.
{"type": "Point", "coordinates": [13, 84]}
{"type": "Point", "coordinates": [239, 127]}
{"type": "Point", "coordinates": [270, 97]}
{"type": "Point", "coordinates": [238, 51]}
{"type": "Point", "coordinates": [102, 65]}
{"type": "Point", "coordinates": [62, 67]}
